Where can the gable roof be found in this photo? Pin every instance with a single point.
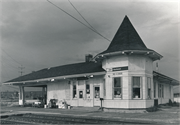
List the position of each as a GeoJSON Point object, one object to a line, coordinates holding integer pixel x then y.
{"type": "Point", "coordinates": [70, 69]}
{"type": "Point", "coordinates": [126, 38]}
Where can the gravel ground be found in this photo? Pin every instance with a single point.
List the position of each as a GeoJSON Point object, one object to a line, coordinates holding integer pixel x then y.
{"type": "Point", "coordinates": [164, 115]}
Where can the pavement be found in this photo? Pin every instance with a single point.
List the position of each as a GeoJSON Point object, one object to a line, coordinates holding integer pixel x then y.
{"type": "Point", "coordinates": [165, 115]}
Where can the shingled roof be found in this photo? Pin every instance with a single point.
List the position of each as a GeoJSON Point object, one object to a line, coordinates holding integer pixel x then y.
{"type": "Point", "coordinates": [126, 38]}
{"type": "Point", "coordinates": [70, 69]}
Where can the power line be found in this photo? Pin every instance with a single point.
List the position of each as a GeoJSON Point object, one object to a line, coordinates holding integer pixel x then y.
{"type": "Point", "coordinates": [82, 15]}
{"type": "Point", "coordinates": [11, 57]}
{"type": "Point", "coordinates": [13, 60]}
{"type": "Point", "coordinates": [5, 72]}
{"type": "Point", "coordinates": [8, 63]}
{"type": "Point", "coordinates": [12, 87]}
{"type": "Point", "coordinates": [78, 20]}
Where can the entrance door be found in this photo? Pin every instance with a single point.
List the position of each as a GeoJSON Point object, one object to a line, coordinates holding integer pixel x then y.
{"type": "Point", "coordinates": [97, 96]}
{"type": "Point", "coordinates": [81, 101]}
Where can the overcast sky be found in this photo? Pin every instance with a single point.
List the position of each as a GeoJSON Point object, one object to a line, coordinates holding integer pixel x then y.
{"type": "Point", "coordinates": [37, 35]}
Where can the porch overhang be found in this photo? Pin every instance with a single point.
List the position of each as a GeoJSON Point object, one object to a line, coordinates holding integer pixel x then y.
{"type": "Point", "coordinates": [165, 79]}
{"type": "Point", "coordinates": [44, 81]}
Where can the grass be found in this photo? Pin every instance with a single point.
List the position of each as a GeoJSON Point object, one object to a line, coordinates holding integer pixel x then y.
{"type": "Point", "coordinates": [9, 102]}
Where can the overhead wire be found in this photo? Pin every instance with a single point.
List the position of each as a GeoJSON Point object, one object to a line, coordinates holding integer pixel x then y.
{"type": "Point", "coordinates": [8, 63]}
{"type": "Point", "coordinates": [14, 61]}
{"type": "Point", "coordinates": [5, 72]}
{"type": "Point", "coordinates": [11, 57]}
{"type": "Point", "coordinates": [78, 20]}
{"type": "Point", "coordinates": [11, 87]}
{"type": "Point", "coordinates": [81, 15]}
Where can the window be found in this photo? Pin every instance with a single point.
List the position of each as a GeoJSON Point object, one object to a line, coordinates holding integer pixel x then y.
{"type": "Point", "coordinates": [149, 87]}
{"type": "Point", "coordinates": [159, 90]}
{"type": "Point", "coordinates": [117, 87]}
{"type": "Point", "coordinates": [80, 94]}
{"type": "Point", "coordinates": [87, 91]}
{"type": "Point", "coordinates": [104, 87]}
{"type": "Point", "coordinates": [162, 91]}
{"type": "Point", "coordinates": [74, 90]}
{"type": "Point", "coordinates": [154, 89]}
{"type": "Point", "coordinates": [170, 90]}
{"type": "Point", "coordinates": [136, 87]}
{"type": "Point", "coordinates": [97, 94]}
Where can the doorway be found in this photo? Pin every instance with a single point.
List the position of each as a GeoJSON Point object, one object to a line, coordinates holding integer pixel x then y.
{"type": "Point", "coordinates": [81, 101]}
{"type": "Point", "coordinates": [96, 96]}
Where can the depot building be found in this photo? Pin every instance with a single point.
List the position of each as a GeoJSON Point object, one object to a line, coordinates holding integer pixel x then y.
{"type": "Point", "coordinates": [122, 77]}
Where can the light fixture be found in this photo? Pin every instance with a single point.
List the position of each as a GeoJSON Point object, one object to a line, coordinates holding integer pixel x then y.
{"type": "Point", "coordinates": [52, 80]}
{"type": "Point", "coordinates": [91, 76]}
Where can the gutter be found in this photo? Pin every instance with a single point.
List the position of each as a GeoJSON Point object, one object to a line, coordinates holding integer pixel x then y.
{"type": "Point", "coordinates": [58, 77]}
{"type": "Point", "coordinates": [128, 51]}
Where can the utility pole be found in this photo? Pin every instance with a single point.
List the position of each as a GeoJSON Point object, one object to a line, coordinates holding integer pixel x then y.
{"type": "Point", "coordinates": [21, 70]}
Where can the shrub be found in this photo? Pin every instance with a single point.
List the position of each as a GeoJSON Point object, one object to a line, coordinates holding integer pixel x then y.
{"type": "Point", "coordinates": [151, 109]}
{"type": "Point", "coordinates": [170, 102]}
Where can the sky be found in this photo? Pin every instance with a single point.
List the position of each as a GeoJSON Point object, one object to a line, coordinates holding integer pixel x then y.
{"type": "Point", "coordinates": [37, 35]}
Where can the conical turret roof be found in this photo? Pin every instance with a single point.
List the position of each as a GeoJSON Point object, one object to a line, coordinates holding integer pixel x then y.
{"type": "Point", "coordinates": [126, 38]}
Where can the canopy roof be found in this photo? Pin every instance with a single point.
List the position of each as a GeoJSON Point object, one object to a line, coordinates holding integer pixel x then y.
{"type": "Point", "coordinates": [70, 69]}
{"type": "Point", "coordinates": [165, 79]}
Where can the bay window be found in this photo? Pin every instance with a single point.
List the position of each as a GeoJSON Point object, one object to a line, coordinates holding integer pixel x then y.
{"type": "Point", "coordinates": [136, 87]}
{"type": "Point", "coordinates": [162, 91]}
{"type": "Point", "coordinates": [159, 90]}
{"type": "Point", "coordinates": [149, 87]}
{"type": "Point", "coordinates": [117, 87]}
{"type": "Point", "coordinates": [104, 87]}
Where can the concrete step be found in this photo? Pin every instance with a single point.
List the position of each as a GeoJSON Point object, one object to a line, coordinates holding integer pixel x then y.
{"type": "Point", "coordinates": [124, 110]}
{"type": "Point", "coordinates": [85, 108]}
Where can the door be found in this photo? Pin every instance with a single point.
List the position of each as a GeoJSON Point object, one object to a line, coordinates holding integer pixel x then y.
{"type": "Point", "coordinates": [97, 96]}
{"type": "Point", "coordinates": [81, 101]}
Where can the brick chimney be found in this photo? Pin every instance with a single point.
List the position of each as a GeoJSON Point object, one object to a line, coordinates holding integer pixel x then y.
{"type": "Point", "coordinates": [88, 57]}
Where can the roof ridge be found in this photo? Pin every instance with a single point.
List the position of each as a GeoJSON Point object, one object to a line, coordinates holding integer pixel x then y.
{"type": "Point", "coordinates": [69, 69]}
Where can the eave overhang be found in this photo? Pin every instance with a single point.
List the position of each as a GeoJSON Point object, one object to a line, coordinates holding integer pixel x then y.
{"type": "Point", "coordinates": [53, 79]}
{"type": "Point", "coordinates": [152, 54]}
{"type": "Point", "coordinates": [165, 79]}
